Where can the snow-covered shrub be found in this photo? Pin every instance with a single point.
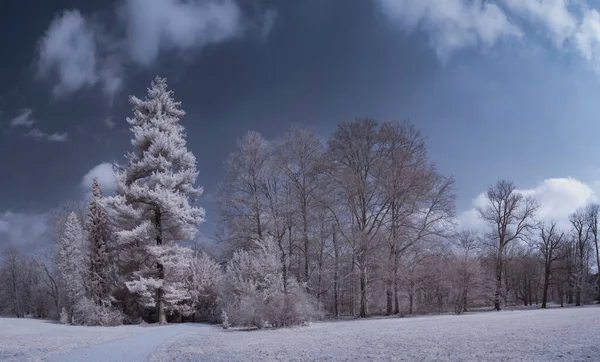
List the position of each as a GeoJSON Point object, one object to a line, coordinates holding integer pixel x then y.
{"type": "Point", "coordinates": [204, 280]}
{"type": "Point", "coordinates": [88, 313]}
{"type": "Point", "coordinates": [256, 294]}
{"type": "Point", "coordinates": [64, 316]}
{"type": "Point", "coordinates": [224, 320]}
{"type": "Point", "coordinates": [191, 283]}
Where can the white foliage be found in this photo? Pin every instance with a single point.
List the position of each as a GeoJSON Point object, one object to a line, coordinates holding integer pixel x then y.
{"type": "Point", "coordinates": [64, 316]}
{"type": "Point", "coordinates": [98, 236]}
{"type": "Point", "coordinates": [89, 313]}
{"type": "Point", "coordinates": [254, 291]}
{"type": "Point", "coordinates": [71, 263]}
{"type": "Point", "coordinates": [152, 204]}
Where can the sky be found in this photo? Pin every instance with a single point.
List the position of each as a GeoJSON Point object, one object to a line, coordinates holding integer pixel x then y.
{"type": "Point", "coordinates": [501, 89]}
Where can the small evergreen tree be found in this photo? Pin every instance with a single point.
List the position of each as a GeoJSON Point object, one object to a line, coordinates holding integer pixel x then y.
{"type": "Point", "coordinates": [98, 234]}
{"type": "Point", "coordinates": [152, 203]}
{"type": "Point", "coordinates": [70, 263]}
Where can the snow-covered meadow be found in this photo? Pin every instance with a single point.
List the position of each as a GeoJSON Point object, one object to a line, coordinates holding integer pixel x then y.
{"type": "Point", "coordinates": [569, 334]}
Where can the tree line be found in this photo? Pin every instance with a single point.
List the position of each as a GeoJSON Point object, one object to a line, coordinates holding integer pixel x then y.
{"type": "Point", "coordinates": [359, 224]}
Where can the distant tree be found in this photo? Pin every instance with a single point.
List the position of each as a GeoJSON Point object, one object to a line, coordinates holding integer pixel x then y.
{"type": "Point", "coordinates": [466, 245]}
{"type": "Point", "coordinates": [98, 236]}
{"type": "Point", "coordinates": [70, 264]}
{"type": "Point", "coordinates": [550, 242]}
{"type": "Point", "coordinates": [152, 204]}
{"type": "Point", "coordinates": [242, 202]}
{"type": "Point", "coordinates": [580, 220]}
{"type": "Point", "coordinates": [593, 211]}
{"type": "Point", "coordinates": [511, 215]}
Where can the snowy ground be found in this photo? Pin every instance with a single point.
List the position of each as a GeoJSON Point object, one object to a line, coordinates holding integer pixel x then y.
{"type": "Point", "coordinates": [569, 334]}
{"type": "Point", "coordinates": [38, 340]}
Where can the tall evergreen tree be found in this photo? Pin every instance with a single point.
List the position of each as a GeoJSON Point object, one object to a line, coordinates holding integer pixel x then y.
{"type": "Point", "coordinates": [70, 263]}
{"type": "Point", "coordinates": [152, 203]}
{"type": "Point", "coordinates": [98, 235]}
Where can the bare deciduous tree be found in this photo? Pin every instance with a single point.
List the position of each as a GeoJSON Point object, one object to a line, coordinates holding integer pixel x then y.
{"type": "Point", "coordinates": [550, 241]}
{"type": "Point", "coordinates": [511, 214]}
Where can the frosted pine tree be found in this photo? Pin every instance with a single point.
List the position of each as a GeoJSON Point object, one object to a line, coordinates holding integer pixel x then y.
{"type": "Point", "coordinates": [152, 203]}
{"type": "Point", "coordinates": [98, 235]}
{"type": "Point", "coordinates": [71, 263]}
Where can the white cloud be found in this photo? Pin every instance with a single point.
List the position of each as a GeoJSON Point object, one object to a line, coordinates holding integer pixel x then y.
{"type": "Point", "coordinates": [552, 14]}
{"type": "Point", "coordinates": [558, 198]}
{"type": "Point", "coordinates": [153, 26]}
{"type": "Point", "coordinates": [81, 53]}
{"type": "Point", "coordinates": [38, 135]}
{"type": "Point", "coordinates": [68, 51]}
{"type": "Point", "coordinates": [587, 38]}
{"type": "Point", "coordinates": [572, 25]}
{"type": "Point", "coordinates": [108, 122]}
{"type": "Point", "coordinates": [105, 174]}
{"type": "Point", "coordinates": [21, 230]}
{"type": "Point", "coordinates": [23, 119]}
{"type": "Point", "coordinates": [452, 24]}
{"type": "Point", "coordinates": [268, 21]}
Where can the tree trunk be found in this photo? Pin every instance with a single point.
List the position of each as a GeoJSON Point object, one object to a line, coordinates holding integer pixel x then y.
{"type": "Point", "coordinates": [336, 275]}
{"type": "Point", "coordinates": [546, 284]}
{"type": "Point", "coordinates": [390, 283]}
{"type": "Point", "coordinates": [396, 292]}
{"type": "Point", "coordinates": [305, 239]}
{"type": "Point", "coordinates": [353, 285]}
{"type": "Point", "coordinates": [498, 281]}
{"type": "Point", "coordinates": [391, 264]}
{"type": "Point", "coordinates": [363, 292]}
{"type": "Point", "coordinates": [579, 279]}
{"type": "Point", "coordinates": [284, 268]}
{"type": "Point", "coordinates": [160, 302]}
{"type": "Point", "coordinates": [410, 303]}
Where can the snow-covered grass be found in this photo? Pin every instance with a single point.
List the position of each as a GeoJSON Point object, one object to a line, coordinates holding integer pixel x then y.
{"type": "Point", "coordinates": [569, 334]}
{"type": "Point", "coordinates": [40, 340]}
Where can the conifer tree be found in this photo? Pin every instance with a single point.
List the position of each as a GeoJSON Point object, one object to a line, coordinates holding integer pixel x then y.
{"type": "Point", "coordinates": [98, 236]}
{"type": "Point", "coordinates": [70, 263]}
{"type": "Point", "coordinates": [152, 203]}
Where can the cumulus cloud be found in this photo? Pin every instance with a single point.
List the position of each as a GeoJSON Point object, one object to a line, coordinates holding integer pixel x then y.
{"type": "Point", "coordinates": [105, 174]}
{"type": "Point", "coordinates": [558, 198]}
{"type": "Point", "coordinates": [69, 53]}
{"type": "Point", "coordinates": [38, 135]}
{"type": "Point", "coordinates": [108, 122]}
{"type": "Point", "coordinates": [20, 229]}
{"type": "Point", "coordinates": [587, 38]}
{"type": "Point", "coordinates": [23, 119]}
{"type": "Point", "coordinates": [554, 15]}
{"type": "Point", "coordinates": [81, 53]}
{"type": "Point", "coordinates": [452, 24]}
{"type": "Point", "coordinates": [177, 25]}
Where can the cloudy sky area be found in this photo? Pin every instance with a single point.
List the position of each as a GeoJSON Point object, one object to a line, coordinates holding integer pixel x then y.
{"type": "Point", "coordinates": [504, 88]}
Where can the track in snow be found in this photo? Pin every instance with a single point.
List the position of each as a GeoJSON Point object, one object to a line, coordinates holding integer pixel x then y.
{"type": "Point", "coordinates": [137, 348]}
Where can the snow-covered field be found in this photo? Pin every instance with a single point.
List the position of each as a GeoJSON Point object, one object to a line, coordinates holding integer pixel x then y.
{"type": "Point", "coordinates": [38, 340]}
{"type": "Point", "coordinates": [569, 334]}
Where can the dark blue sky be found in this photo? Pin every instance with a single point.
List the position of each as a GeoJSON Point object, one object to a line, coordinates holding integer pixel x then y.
{"type": "Point", "coordinates": [501, 89]}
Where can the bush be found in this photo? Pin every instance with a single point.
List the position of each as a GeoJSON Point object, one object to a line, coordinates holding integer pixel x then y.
{"type": "Point", "coordinates": [88, 313]}
{"type": "Point", "coordinates": [224, 320]}
{"type": "Point", "coordinates": [255, 291]}
{"type": "Point", "coordinates": [64, 316]}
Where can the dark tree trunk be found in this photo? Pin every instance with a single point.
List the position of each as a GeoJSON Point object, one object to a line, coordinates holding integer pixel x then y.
{"type": "Point", "coordinates": [546, 284]}
{"type": "Point", "coordinates": [498, 292]}
{"type": "Point", "coordinates": [363, 292]}
{"type": "Point", "coordinates": [160, 302]}
{"type": "Point", "coordinates": [336, 275]}
{"type": "Point", "coordinates": [390, 283]}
